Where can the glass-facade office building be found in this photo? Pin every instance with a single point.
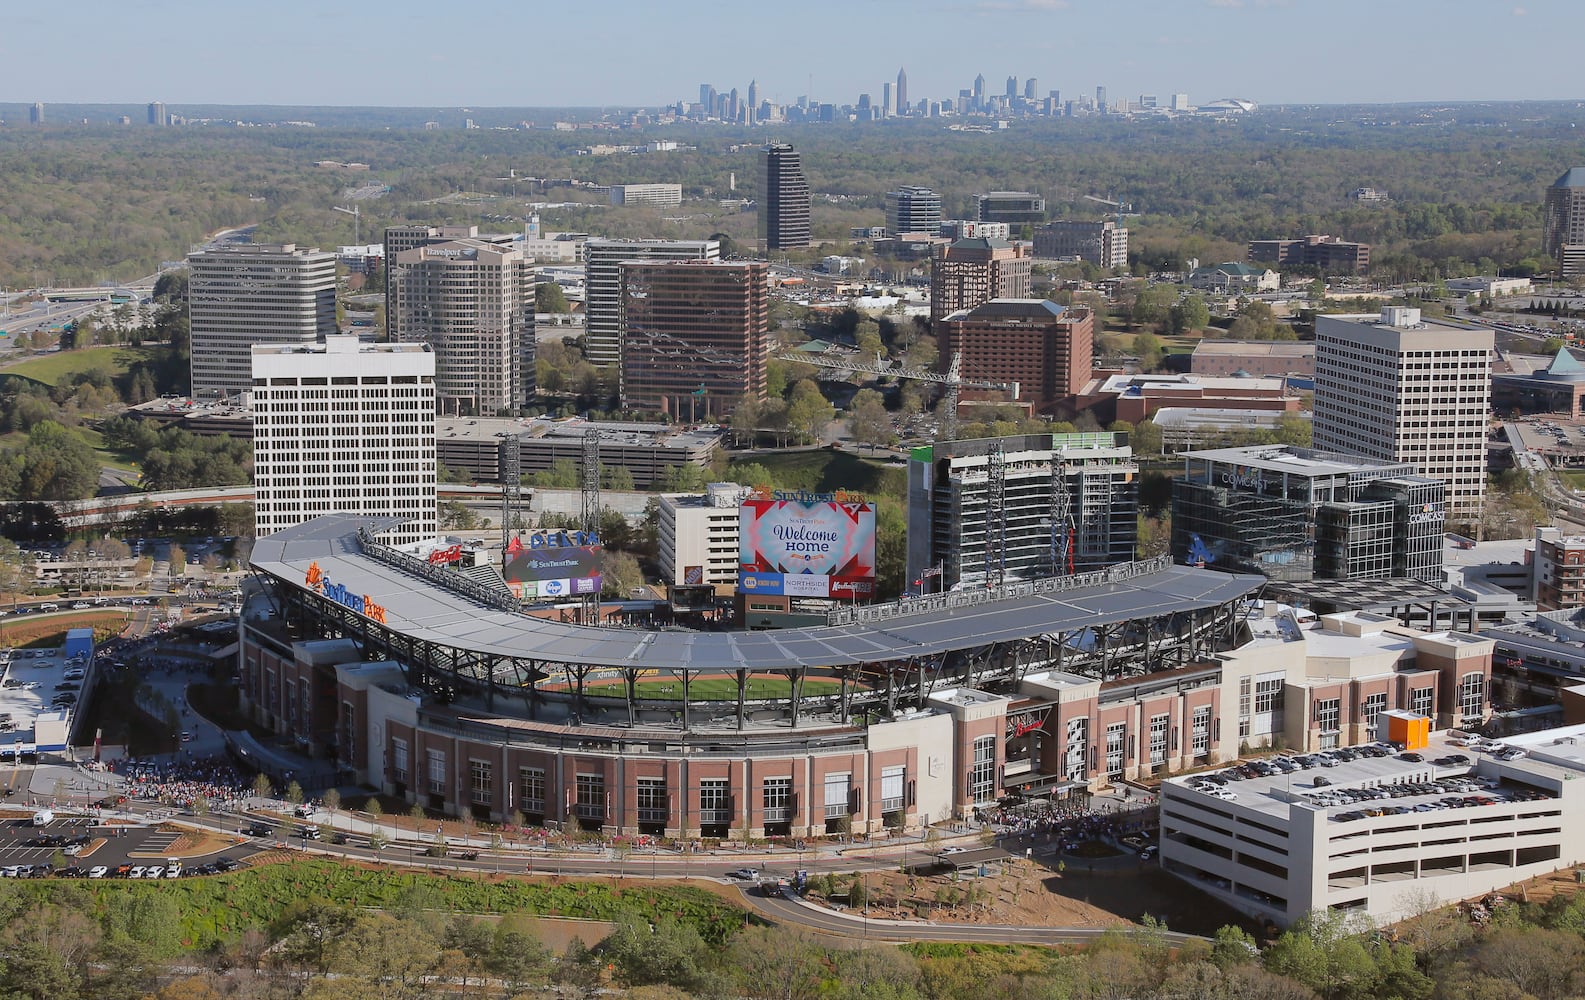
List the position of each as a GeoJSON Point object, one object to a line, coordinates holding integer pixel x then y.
{"type": "Point", "coordinates": [1296, 514]}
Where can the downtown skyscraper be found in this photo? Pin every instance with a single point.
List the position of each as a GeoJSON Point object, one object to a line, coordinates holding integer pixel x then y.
{"type": "Point", "coordinates": [784, 199]}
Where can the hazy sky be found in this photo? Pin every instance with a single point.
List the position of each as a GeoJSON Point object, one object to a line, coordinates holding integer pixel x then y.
{"type": "Point", "coordinates": [483, 53]}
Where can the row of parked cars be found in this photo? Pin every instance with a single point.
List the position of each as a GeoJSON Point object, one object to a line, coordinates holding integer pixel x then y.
{"type": "Point", "coordinates": [171, 869]}
{"type": "Point", "coordinates": [1493, 748]}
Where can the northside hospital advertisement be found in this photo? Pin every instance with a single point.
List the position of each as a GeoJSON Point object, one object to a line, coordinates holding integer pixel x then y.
{"type": "Point", "coordinates": [807, 547]}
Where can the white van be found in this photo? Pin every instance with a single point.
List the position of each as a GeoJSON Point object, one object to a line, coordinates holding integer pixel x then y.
{"type": "Point", "coordinates": [43, 818]}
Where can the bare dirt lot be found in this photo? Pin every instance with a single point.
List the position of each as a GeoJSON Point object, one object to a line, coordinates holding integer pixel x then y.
{"type": "Point", "coordinates": [1030, 894]}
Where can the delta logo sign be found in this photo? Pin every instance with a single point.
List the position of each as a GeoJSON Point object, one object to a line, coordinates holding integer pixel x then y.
{"type": "Point", "coordinates": [319, 583]}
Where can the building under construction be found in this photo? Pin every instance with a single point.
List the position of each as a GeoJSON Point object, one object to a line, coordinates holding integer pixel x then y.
{"type": "Point", "coordinates": [993, 510]}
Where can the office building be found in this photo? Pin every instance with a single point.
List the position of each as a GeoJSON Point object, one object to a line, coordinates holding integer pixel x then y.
{"type": "Point", "coordinates": [1298, 514]}
{"type": "Point", "coordinates": [1234, 278]}
{"type": "Point", "coordinates": [411, 237]}
{"type": "Point", "coordinates": [695, 336]}
{"type": "Point", "coordinates": [1558, 570]}
{"type": "Point", "coordinates": [650, 452]}
{"type": "Point", "coordinates": [1100, 100]}
{"type": "Point", "coordinates": [902, 92]}
{"type": "Point", "coordinates": [1104, 244]}
{"type": "Point", "coordinates": [1132, 397]}
{"type": "Point", "coordinates": [158, 115]}
{"type": "Point", "coordinates": [888, 109]}
{"type": "Point", "coordinates": [344, 426]}
{"type": "Point", "coordinates": [658, 195]}
{"type": "Point", "coordinates": [602, 262]}
{"type": "Point", "coordinates": [1393, 387]}
{"type": "Point", "coordinates": [697, 536]}
{"type": "Point", "coordinates": [472, 302]}
{"type": "Point", "coordinates": [240, 295]}
{"type": "Point", "coordinates": [1069, 504]}
{"type": "Point", "coordinates": [784, 199]}
{"type": "Point", "coordinates": [958, 229]}
{"type": "Point", "coordinates": [1031, 89]}
{"type": "Point", "coordinates": [972, 271]}
{"type": "Point", "coordinates": [912, 209]}
{"type": "Point", "coordinates": [1229, 358]}
{"type": "Point", "coordinates": [1044, 347]}
{"type": "Point", "coordinates": [1563, 232]}
{"type": "Point", "coordinates": [36, 114]}
{"type": "Point", "coordinates": [1016, 208]}
{"type": "Point", "coordinates": [1523, 384]}
{"type": "Point", "coordinates": [1327, 254]}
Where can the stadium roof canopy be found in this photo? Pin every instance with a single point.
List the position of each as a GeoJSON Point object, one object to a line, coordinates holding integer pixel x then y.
{"type": "Point", "coordinates": [430, 613]}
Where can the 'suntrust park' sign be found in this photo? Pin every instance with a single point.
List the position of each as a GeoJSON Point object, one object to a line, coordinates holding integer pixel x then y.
{"type": "Point", "coordinates": [364, 605]}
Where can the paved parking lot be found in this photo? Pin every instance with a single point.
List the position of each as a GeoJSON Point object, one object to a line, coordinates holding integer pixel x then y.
{"type": "Point", "coordinates": [116, 844]}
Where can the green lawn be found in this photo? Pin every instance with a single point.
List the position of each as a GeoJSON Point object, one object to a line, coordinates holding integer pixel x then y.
{"type": "Point", "coordinates": [711, 688]}
{"type": "Point", "coordinates": [51, 369]}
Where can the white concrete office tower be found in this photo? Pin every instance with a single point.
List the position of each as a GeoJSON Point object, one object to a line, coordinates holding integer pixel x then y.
{"type": "Point", "coordinates": [1398, 388]}
{"type": "Point", "coordinates": [472, 302]}
{"type": "Point", "coordinates": [242, 295]}
{"type": "Point", "coordinates": [913, 209]}
{"type": "Point", "coordinates": [698, 536]}
{"type": "Point", "coordinates": [602, 262]}
{"type": "Point", "coordinates": [344, 426]}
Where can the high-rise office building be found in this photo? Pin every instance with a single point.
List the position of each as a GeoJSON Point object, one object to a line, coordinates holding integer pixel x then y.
{"type": "Point", "coordinates": [979, 92]}
{"type": "Point", "coordinates": [911, 209]}
{"type": "Point", "coordinates": [1012, 87]}
{"type": "Point", "coordinates": [972, 271]}
{"type": "Point", "coordinates": [1397, 388]}
{"type": "Point", "coordinates": [1563, 233]}
{"type": "Point", "coordinates": [246, 294]}
{"type": "Point", "coordinates": [888, 109]}
{"type": "Point", "coordinates": [472, 302]}
{"type": "Point", "coordinates": [1100, 100]}
{"type": "Point", "coordinates": [1016, 208]}
{"type": "Point", "coordinates": [1031, 89]}
{"type": "Point", "coordinates": [602, 283]}
{"type": "Point", "coordinates": [1069, 503]}
{"type": "Point", "coordinates": [1104, 244]}
{"type": "Point", "coordinates": [1298, 514]}
{"type": "Point", "coordinates": [695, 335]}
{"type": "Point", "coordinates": [1044, 347]}
{"type": "Point", "coordinates": [784, 199]}
{"type": "Point", "coordinates": [753, 101]}
{"type": "Point", "coordinates": [158, 115]}
{"type": "Point", "coordinates": [36, 114]}
{"type": "Point", "coordinates": [401, 238]}
{"type": "Point", "coordinates": [902, 92]}
{"type": "Point", "coordinates": [343, 426]}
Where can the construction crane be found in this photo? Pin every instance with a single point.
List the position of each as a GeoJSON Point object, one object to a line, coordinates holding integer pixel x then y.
{"type": "Point", "coordinates": [953, 379]}
{"type": "Point", "coordinates": [356, 211]}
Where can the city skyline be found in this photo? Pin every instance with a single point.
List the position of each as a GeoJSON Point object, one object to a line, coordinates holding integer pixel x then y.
{"type": "Point", "coordinates": [1210, 49]}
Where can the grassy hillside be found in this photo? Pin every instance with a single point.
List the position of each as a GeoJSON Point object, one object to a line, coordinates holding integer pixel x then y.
{"type": "Point", "coordinates": [52, 369]}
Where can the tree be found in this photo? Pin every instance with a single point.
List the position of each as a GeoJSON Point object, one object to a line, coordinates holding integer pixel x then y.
{"type": "Point", "coordinates": [1145, 438]}
{"type": "Point", "coordinates": [621, 573]}
{"type": "Point", "coordinates": [294, 793]}
{"type": "Point", "coordinates": [867, 338]}
{"type": "Point", "coordinates": [1147, 348]}
{"type": "Point", "coordinates": [1152, 305]}
{"type": "Point", "coordinates": [562, 473]}
{"type": "Point", "coordinates": [1190, 314]}
{"type": "Point", "coordinates": [868, 421]}
{"type": "Point", "coordinates": [616, 477]}
{"type": "Point", "coordinates": [516, 956]}
{"type": "Point", "coordinates": [549, 298]}
{"type": "Point", "coordinates": [331, 799]}
{"type": "Point", "coordinates": [261, 786]}
{"type": "Point", "coordinates": [808, 411]}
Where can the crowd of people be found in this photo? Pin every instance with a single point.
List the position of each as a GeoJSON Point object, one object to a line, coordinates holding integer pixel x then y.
{"type": "Point", "coordinates": [1066, 824]}
{"type": "Point", "coordinates": [182, 783]}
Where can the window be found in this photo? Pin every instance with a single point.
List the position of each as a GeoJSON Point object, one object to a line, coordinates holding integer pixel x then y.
{"type": "Point", "coordinates": [836, 795]}
{"type": "Point", "coordinates": [481, 780]}
{"type": "Point", "coordinates": [1158, 739]}
{"type": "Point", "coordinates": [652, 800]}
{"type": "Point", "coordinates": [1472, 696]}
{"type": "Point", "coordinates": [1200, 734]}
{"type": "Point", "coordinates": [1420, 700]}
{"type": "Point", "coordinates": [591, 796]}
{"type": "Point", "coordinates": [531, 790]}
{"type": "Point", "coordinates": [1244, 684]}
{"type": "Point", "coordinates": [1114, 750]}
{"type": "Point", "coordinates": [1076, 748]}
{"type": "Point", "coordinates": [1328, 715]}
{"type": "Point", "coordinates": [892, 779]}
{"type": "Point", "coordinates": [982, 772]}
{"type": "Point", "coordinates": [1268, 695]}
{"type": "Point", "coordinates": [399, 760]}
{"type": "Point", "coordinates": [715, 801]}
{"type": "Point", "coordinates": [1375, 704]}
{"type": "Point", "coordinates": [778, 800]}
{"type": "Point", "coordinates": [437, 772]}
{"type": "Point", "coordinates": [349, 732]}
